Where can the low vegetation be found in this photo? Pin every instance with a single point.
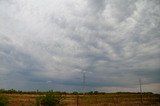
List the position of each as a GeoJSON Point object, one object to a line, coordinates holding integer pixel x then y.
{"type": "Point", "coordinates": [50, 99]}
{"type": "Point", "coordinates": [3, 101]}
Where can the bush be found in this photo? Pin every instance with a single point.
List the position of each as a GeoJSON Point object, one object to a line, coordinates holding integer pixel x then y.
{"type": "Point", "coordinates": [50, 99]}
{"type": "Point", "coordinates": [3, 101]}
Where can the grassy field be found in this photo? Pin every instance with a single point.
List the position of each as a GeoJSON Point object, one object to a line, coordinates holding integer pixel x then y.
{"type": "Point", "coordinates": [110, 99]}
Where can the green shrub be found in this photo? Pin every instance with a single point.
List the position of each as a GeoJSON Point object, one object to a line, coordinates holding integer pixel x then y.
{"type": "Point", "coordinates": [50, 99]}
{"type": "Point", "coordinates": [3, 101]}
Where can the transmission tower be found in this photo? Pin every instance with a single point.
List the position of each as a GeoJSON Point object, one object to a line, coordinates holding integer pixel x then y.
{"type": "Point", "coordinates": [140, 86]}
{"type": "Point", "coordinates": [84, 81]}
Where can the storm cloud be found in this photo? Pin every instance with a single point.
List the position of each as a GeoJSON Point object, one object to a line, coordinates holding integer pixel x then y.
{"type": "Point", "coordinates": [50, 44]}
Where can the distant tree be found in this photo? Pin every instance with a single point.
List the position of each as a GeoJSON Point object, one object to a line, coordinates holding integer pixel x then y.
{"type": "Point", "coordinates": [12, 91]}
{"type": "Point", "coordinates": [75, 92]}
{"type": "Point", "coordinates": [2, 90]}
{"type": "Point", "coordinates": [96, 92]}
{"type": "Point", "coordinates": [91, 92]}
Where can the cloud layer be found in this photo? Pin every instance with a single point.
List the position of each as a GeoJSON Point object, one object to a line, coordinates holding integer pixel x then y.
{"type": "Point", "coordinates": [51, 43]}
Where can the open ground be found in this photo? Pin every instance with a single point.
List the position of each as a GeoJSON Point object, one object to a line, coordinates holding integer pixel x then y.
{"type": "Point", "coordinates": [106, 99]}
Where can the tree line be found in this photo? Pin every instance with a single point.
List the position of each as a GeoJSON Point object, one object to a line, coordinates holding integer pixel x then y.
{"type": "Point", "coordinates": [10, 91]}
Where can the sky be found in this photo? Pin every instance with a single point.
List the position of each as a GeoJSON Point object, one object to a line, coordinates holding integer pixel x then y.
{"type": "Point", "coordinates": [50, 44]}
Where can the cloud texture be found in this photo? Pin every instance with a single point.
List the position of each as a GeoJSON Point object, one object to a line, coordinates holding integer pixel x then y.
{"type": "Point", "coordinates": [49, 44]}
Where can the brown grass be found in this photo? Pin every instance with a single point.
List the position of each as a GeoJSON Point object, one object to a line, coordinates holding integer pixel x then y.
{"type": "Point", "coordinates": [90, 100]}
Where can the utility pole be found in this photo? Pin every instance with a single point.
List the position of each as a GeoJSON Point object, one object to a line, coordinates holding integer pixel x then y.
{"type": "Point", "coordinates": [140, 85]}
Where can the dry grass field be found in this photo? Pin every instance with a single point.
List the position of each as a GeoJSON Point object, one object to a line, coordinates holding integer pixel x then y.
{"type": "Point", "coordinates": [112, 99]}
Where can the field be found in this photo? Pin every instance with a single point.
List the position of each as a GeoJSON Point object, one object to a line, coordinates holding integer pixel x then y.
{"type": "Point", "coordinates": [108, 99]}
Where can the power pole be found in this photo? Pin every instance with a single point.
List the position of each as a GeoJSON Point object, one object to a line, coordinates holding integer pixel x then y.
{"type": "Point", "coordinates": [140, 85]}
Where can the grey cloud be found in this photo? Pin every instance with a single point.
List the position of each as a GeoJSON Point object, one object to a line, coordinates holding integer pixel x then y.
{"type": "Point", "coordinates": [97, 6]}
{"type": "Point", "coordinates": [13, 59]}
{"type": "Point", "coordinates": [123, 9]}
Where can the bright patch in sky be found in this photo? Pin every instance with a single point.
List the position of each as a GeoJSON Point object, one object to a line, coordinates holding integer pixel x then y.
{"type": "Point", "coordinates": [48, 44]}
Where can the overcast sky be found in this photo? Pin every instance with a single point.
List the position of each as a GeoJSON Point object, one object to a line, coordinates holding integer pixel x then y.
{"type": "Point", "coordinates": [49, 44]}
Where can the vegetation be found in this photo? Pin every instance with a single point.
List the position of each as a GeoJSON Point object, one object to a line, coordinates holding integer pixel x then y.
{"type": "Point", "coordinates": [3, 101]}
{"type": "Point", "coordinates": [50, 99]}
{"type": "Point", "coordinates": [92, 98]}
